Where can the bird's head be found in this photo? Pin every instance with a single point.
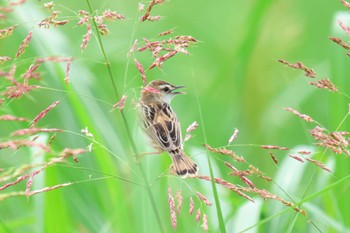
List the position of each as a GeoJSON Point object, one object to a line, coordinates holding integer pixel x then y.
{"type": "Point", "coordinates": [160, 91]}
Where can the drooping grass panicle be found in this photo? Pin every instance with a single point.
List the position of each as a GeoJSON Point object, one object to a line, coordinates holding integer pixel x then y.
{"type": "Point", "coordinates": [111, 15]}
{"type": "Point", "coordinates": [44, 112]}
{"type": "Point", "coordinates": [273, 147]}
{"type": "Point", "coordinates": [50, 21]}
{"type": "Point", "coordinates": [340, 42]}
{"type": "Point", "coordinates": [121, 103]}
{"type": "Point", "coordinates": [273, 157]}
{"type": "Point", "coordinates": [48, 189]}
{"type": "Point", "coordinates": [32, 131]}
{"type": "Point", "coordinates": [198, 215]}
{"type": "Point", "coordinates": [205, 223]}
{"type": "Point", "coordinates": [15, 144]}
{"type": "Point", "coordinates": [300, 66]}
{"type": "Point", "coordinates": [17, 3]}
{"type": "Point", "coordinates": [344, 27]}
{"type": "Point", "coordinates": [86, 37]}
{"type": "Point", "coordinates": [30, 73]}
{"type": "Point", "coordinates": [4, 59]}
{"type": "Point", "coordinates": [142, 72]}
{"type": "Point", "coordinates": [191, 206]}
{"type": "Point", "coordinates": [325, 84]}
{"type": "Point", "coordinates": [303, 152]}
{"type": "Point", "coordinates": [224, 151]}
{"type": "Point", "coordinates": [18, 90]}
{"type": "Point", "coordinates": [66, 78]}
{"type": "Point", "coordinates": [7, 31]}
{"type": "Point", "coordinates": [19, 179]}
{"type": "Point", "coordinates": [333, 141]}
{"type": "Point", "coordinates": [179, 200]}
{"type": "Point", "coordinates": [133, 48]}
{"type": "Point", "coordinates": [163, 50]}
{"type": "Point", "coordinates": [24, 44]}
{"type": "Point", "coordinates": [190, 128]}
{"type": "Point", "coordinates": [319, 164]}
{"type": "Point", "coordinates": [12, 118]}
{"type": "Point", "coordinates": [146, 16]}
{"type": "Point", "coordinates": [172, 209]}
{"type": "Point", "coordinates": [167, 32]}
{"type": "Point", "coordinates": [296, 157]}
{"type": "Point", "coordinates": [204, 199]}
{"type": "Point", "coordinates": [345, 3]}
{"type": "Point", "coordinates": [302, 116]}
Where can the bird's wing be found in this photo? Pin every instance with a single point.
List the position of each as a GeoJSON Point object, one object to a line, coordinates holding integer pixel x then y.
{"type": "Point", "coordinates": [162, 126]}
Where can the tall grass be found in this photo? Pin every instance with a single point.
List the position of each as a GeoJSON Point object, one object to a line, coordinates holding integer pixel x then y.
{"type": "Point", "coordinates": [238, 84]}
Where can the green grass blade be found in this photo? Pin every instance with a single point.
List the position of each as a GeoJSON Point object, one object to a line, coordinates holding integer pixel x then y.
{"type": "Point", "coordinates": [213, 185]}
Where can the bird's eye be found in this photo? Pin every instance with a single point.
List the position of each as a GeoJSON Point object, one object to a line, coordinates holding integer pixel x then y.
{"type": "Point", "coordinates": [166, 89]}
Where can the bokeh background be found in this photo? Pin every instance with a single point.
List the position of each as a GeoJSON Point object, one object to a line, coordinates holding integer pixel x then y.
{"type": "Point", "coordinates": [232, 76]}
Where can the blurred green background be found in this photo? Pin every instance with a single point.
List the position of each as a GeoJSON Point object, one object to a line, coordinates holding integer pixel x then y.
{"type": "Point", "coordinates": [239, 84]}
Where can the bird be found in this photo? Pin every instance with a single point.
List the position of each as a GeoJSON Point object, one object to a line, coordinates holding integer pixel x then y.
{"type": "Point", "coordinates": [160, 123]}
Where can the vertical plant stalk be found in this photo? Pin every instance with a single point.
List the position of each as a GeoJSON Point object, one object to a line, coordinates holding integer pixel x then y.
{"type": "Point", "coordinates": [131, 140]}
{"type": "Point", "coordinates": [213, 185]}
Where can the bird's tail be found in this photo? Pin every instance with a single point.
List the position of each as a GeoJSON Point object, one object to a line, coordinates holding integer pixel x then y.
{"type": "Point", "coordinates": [183, 165]}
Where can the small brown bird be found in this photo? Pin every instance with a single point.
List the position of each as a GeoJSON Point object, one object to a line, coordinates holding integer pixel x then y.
{"type": "Point", "coordinates": [162, 126]}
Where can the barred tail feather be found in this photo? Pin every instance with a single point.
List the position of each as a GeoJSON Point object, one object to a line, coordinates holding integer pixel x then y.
{"type": "Point", "coordinates": [183, 165]}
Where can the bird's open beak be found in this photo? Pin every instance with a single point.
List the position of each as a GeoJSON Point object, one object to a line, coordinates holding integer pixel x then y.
{"type": "Point", "coordinates": [178, 92]}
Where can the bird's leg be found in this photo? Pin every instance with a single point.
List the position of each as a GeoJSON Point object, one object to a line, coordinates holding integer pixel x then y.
{"type": "Point", "coordinates": [140, 155]}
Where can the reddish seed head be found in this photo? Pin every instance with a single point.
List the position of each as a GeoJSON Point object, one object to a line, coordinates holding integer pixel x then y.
{"type": "Point", "coordinates": [296, 158]}
{"type": "Point", "coordinates": [205, 223]}
{"type": "Point", "coordinates": [32, 131]}
{"type": "Point", "coordinates": [17, 3]}
{"type": "Point", "coordinates": [24, 44]}
{"type": "Point", "coordinates": [204, 199]}
{"type": "Point", "coordinates": [132, 49]}
{"type": "Point", "coordinates": [66, 79]}
{"type": "Point", "coordinates": [166, 32]}
{"type": "Point", "coordinates": [142, 72]}
{"type": "Point", "coordinates": [3, 59]}
{"type": "Point", "coordinates": [54, 59]}
{"type": "Point", "coordinates": [325, 84]}
{"type": "Point", "coordinates": [44, 112]}
{"type": "Point", "coordinates": [319, 164]}
{"type": "Point", "coordinates": [274, 147]}
{"type": "Point", "coordinates": [172, 208]}
{"type": "Point", "coordinates": [198, 215]}
{"type": "Point", "coordinates": [111, 15]}
{"type": "Point", "coordinates": [300, 66]}
{"type": "Point", "coordinates": [340, 42]}
{"type": "Point", "coordinates": [344, 27]}
{"type": "Point", "coordinates": [150, 89]}
{"type": "Point", "coordinates": [273, 157]}
{"type": "Point", "coordinates": [191, 206]}
{"type": "Point", "coordinates": [30, 73]}
{"type": "Point", "coordinates": [302, 116]}
{"type": "Point", "coordinates": [18, 90]}
{"type": "Point", "coordinates": [345, 3]}
{"type": "Point", "coordinates": [179, 201]}
{"type": "Point", "coordinates": [121, 103]}
{"type": "Point", "coordinates": [303, 152]}
{"type": "Point", "coordinates": [12, 118]}
{"type": "Point", "coordinates": [86, 37]}
{"type": "Point", "coordinates": [225, 152]}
